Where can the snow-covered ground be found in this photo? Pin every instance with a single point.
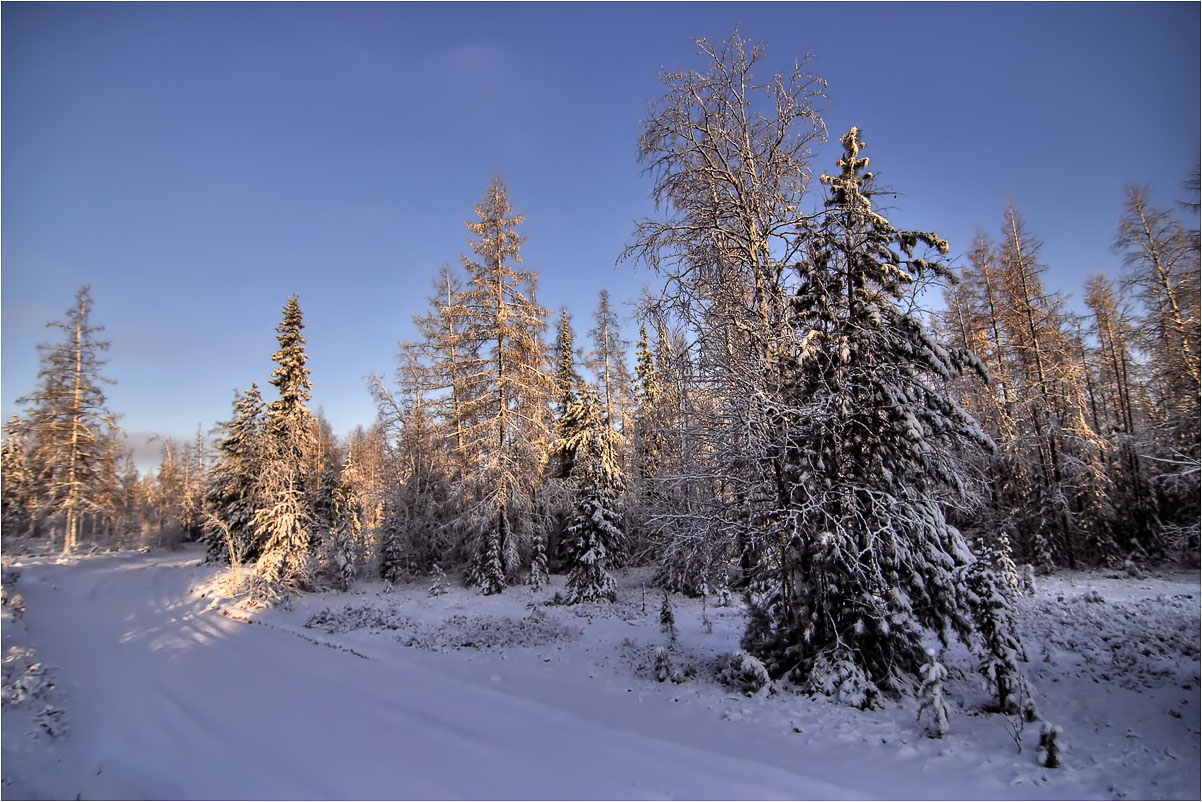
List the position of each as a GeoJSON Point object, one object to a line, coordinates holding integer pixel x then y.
{"type": "Point", "coordinates": [167, 689]}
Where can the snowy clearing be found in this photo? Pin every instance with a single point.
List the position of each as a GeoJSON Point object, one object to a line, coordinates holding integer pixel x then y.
{"type": "Point", "coordinates": [163, 690]}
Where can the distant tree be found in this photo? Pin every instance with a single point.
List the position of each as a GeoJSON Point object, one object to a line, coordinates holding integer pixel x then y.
{"type": "Point", "coordinates": [69, 423]}
{"type": "Point", "coordinates": [567, 380]}
{"type": "Point", "coordinates": [607, 362]}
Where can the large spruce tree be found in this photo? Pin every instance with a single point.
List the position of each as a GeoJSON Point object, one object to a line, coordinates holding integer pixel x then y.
{"type": "Point", "coordinates": [867, 564]}
{"type": "Point", "coordinates": [285, 521]}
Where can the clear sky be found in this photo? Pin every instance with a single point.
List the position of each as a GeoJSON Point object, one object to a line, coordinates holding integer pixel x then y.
{"type": "Point", "coordinates": [198, 163]}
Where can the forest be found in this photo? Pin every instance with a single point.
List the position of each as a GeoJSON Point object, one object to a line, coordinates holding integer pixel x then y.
{"type": "Point", "coordinates": [790, 425]}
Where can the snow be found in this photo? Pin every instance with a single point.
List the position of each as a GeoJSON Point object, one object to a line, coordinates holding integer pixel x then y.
{"type": "Point", "coordinates": [171, 690]}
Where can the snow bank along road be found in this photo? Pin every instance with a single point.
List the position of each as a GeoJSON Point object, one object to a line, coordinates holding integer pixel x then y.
{"type": "Point", "coordinates": [166, 698]}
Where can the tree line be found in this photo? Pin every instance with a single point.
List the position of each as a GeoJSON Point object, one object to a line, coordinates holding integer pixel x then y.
{"type": "Point", "coordinates": [792, 426]}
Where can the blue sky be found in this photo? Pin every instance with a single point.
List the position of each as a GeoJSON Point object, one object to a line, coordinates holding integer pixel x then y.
{"type": "Point", "coordinates": [198, 163]}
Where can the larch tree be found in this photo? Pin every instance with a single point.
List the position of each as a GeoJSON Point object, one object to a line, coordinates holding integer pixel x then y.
{"type": "Point", "coordinates": [439, 360]}
{"type": "Point", "coordinates": [868, 565]}
{"type": "Point", "coordinates": [1162, 268]}
{"type": "Point", "coordinates": [1063, 451]}
{"type": "Point", "coordinates": [69, 423]}
{"type": "Point", "coordinates": [507, 392]}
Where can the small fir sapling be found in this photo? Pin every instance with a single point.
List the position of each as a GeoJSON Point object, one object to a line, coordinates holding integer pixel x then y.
{"type": "Point", "coordinates": [932, 709]}
{"type": "Point", "coordinates": [1049, 746]}
{"type": "Point", "coordinates": [1027, 580]}
{"type": "Point", "coordinates": [438, 584]}
{"type": "Point", "coordinates": [1000, 649]}
{"type": "Point", "coordinates": [539, 577]}
{"type": "Point", "coordinates": [705, 618]}
{"type": "Point", "coordinates": [667, 619]}
{"type": "Point", "coordinates": [489, 572]}
{"type": "Point", "coordinates": [664, 669]}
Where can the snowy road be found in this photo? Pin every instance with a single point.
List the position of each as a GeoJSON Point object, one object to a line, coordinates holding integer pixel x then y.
{"type": "Point", "coordinates": [168, 699]}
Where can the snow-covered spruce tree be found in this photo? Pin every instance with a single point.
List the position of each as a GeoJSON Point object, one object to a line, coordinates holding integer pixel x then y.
{"type": "Point", "coordinates": [392, 545]}
{"type": "Point", "coordinates": [539, 576]}
{"type": "Point", "coordinates": [594, 532]}
{"type": "Point", "coordinates": [991, 600]}
{"type": "Point", "coordinates": [233, 486]}
{"type": "Point", "coordinates": [505, 411]}
{"type": "Point", "coordinates": [867, 563]}
{"type": "Point", "coordinates": [285, 521]}
{"type": "Point", "coordinates": [69, 424]}
{"type": "Point", "coordinates": [932, 709]}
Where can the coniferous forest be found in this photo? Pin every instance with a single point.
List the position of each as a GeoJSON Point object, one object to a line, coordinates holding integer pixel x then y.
{"type": "Point", "coordinates": [875, 446]}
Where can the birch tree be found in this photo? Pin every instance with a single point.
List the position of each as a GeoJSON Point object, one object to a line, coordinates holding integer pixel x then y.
{"type": "Point", "coordinates": [728, 150]}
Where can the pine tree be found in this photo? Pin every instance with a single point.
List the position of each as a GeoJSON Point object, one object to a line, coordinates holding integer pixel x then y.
{"type": "Point", "coordinates": [868, 564]}
{"type": "Point", "coordinates": [285, 521]}
{"type": "Point", "coordinates": [69, 423]}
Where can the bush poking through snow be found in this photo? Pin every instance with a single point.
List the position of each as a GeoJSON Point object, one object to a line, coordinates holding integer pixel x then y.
{"type": "Point", "coordinates": [664, 669]}
{"type": "Point", "coordinates": [52, 720]}
{"type": "Point", "coordinates": [17, 603]}
{"type": "Point", "coordinates": [1049, 746]}
{"type": "Point", "coordinates": [23, 678]}
{"type": "Point", "coordinates": [745, 673]}
{"type": "Point", "coordinates": [932, 710]}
